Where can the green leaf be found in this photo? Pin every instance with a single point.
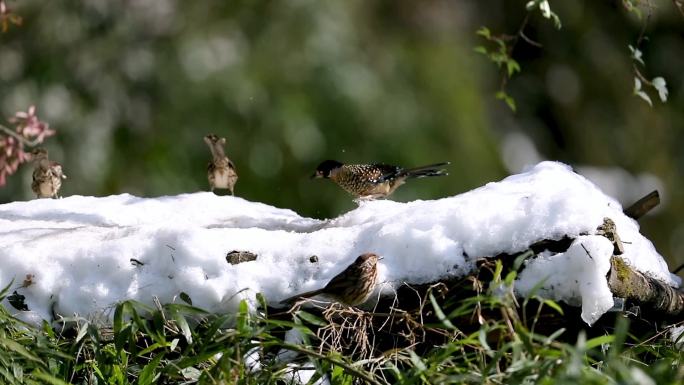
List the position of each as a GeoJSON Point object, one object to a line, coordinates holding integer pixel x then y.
{"type": "Point", "coordinates": [440, 314]}
{"type": "Point", "coordinates": [182, 323]}
{"type": "Point", "coordinates": [119, 315]}
{"type": "Point", "coordinates": [310, 318]}
{"type": "Point", "coordinates": [5, 290]}
{"type": "Point", "coordinates": [501, 95]}
{"type": "Point", "coordinates": [174, 344]}
{"type": "Point", "coordinates": [480, 49]}
{"type": "Point", "coordinates": [19, 349]}
{"type": "Point", "coordinates": [261, 300]}
{"type": "Point", "coordinates": [554, 335]}
{"type": "Point", "coordinates": [48, 378]}
{"type": "Point", "coordinates": [186, 308]}
{"type": "Point", "coordinates": [191, 373]}
{"type": "Point", "coordinates": [521, 258]}
{"type": "Point", "coordinates": [553, 305]}
{"type": "Point", "coordinates": [482, 338]}
{"type": "Point", "coordinates": [660, 85]}
{"type": "Point", "coordinates": [598, 341]}
{"type": "Point", "coordinates": [484, 32]}
{"type": "Point", "coordinates": [151, 348]}
{"type": "Point", "coordinates": [82, 331]}
{"type": "Point", "coordinates": [47, 329]}
{"type": "Point", "coordinates": [512, 66]}
{"type": "Point", "coordinates": [510, 277]}
{"type": "Point", "coordinates": [636, 55]}
{"type": "Point", "coordinates": [417, 361]}
{"type": "Point", "coordinates": [645, 97]}
{"type": "Point", "coordinates": [337, 374]}
{"type": "Point", "coordinates": [556, 21]}
{"type": "Point", "coordinates": [497, 271]}
{"type": "Point", "coordinates": [243, 317]}
{"type": "Point", "coordinates": [148, 375]}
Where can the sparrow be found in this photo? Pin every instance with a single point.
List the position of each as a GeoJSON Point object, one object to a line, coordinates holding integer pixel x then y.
{"type": "Point", "coordinates": [221, 170]}
{"type": "Point", "coordinates": [352, 286]}
{"type": "Point", "coordinates": [372, 181]}
{"type": "Point", "coordinates": [47, 175]}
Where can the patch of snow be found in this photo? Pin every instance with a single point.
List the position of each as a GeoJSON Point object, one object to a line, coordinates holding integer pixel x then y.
{"type": "Point", "coordinates": [677, 336]}
{"type": "Point", "coordinates": [87, 253]}
{"type": "Point", "coordinates": [579, 273]}
{"type": "Point", "coordinates": [302, 374]}
{"type": "Point", "coordinates": [252, 359]}
{"type": "Point", "coordinates": [294, 337]}
{"type": "Point", "coordinates": [640, 377]}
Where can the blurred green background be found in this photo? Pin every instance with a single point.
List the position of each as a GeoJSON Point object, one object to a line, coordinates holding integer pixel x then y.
{"type": "Point", "coordinates": [132, 87]}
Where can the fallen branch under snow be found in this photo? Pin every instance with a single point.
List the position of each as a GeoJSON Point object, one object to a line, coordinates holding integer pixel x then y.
{"type": "Point", "coordinates": [84, 254]}
{"type": "Point", "coordinates": [645, 291]}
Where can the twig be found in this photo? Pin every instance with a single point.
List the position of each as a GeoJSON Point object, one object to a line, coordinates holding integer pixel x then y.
{"type": "Point", "coordinates": [515, 39]}
{"type": "Point", "coordinates": [530, 41]}
{"type": "Point", "coordinates": [641, 207]}
{"type": "Point", "coordinates": [24, 141]}
{"type": "Point", "coordinates": [136, 262]}
{"type": "Point", "coordinates": [521, 33]}
{"type": "Point", "coordinates": [642, 36]}
{"type": "Point", "coordinates": [677, 270]}
{"type": "Point", "coordinates": [586, 251]}
{"type": "Point", "coordinates": [646, 291]}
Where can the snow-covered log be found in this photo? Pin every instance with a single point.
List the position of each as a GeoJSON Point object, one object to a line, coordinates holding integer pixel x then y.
{"type": "Point", "coordinates": [650, 293]}
{"type": "Point", "coordinates": [80, 255]}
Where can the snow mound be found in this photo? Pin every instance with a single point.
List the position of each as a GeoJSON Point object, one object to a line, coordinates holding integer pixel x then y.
{"type": "Point", "coordinates": [83, 254]}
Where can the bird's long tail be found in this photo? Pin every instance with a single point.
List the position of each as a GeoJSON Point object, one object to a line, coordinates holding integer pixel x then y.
{"type": "Point", "coordinates": [308, 294]}
{"type": "Point", "coordinates": [425, 171]}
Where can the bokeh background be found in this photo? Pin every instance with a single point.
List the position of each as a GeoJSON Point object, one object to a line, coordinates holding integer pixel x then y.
{"type": "Point", "coordinates": [132, 87]}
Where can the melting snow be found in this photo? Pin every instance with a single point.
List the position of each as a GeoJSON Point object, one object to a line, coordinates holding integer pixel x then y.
{"type": "Point", "coordinates": [85, 253]}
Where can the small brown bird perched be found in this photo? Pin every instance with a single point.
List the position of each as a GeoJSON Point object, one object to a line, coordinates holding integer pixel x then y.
{"type": "Point", "coordinates": [371, 181]}
{"type": "Point", "coordinates": [352, 286]}
{"type": "Point", "coordinates": [47, 175]}
{"type": "Point", "coordinates": [221, 170]}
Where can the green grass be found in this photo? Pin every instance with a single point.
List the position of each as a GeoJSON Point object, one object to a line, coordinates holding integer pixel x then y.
{"type": "Point", "coordinates": [181, 344]}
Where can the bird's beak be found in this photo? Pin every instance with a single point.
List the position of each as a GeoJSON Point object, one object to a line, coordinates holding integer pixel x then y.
{"type": "Point", "coordinates": [317, 175]}
{"type": "Point", "coordinates": [381, 258]}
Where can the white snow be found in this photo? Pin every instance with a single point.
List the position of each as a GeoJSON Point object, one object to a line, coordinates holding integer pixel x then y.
{"type": "Point", "coordinates": [676, 336]}
{"type": "Point", "coordinates": [79, 250]}
{"type": "Point", "coordinates": [583, 268]}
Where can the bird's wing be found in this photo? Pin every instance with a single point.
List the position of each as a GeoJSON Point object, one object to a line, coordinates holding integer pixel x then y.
{"type": "Point", "coordinates": [307, 294]}
{"type": "Point", "coordinates": [386, 172]}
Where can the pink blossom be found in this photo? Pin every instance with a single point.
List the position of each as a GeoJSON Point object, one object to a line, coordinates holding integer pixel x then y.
{"type": "Point", "coordinates": [28, 130]}
{"type": "Point", "coordinates": [29, 126]}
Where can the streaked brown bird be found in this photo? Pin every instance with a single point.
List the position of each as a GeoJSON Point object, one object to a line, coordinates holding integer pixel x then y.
{"type": "Point", "coordinates": [372, 181]}
{"type": "Point", "coordinates": [47, 175]}
{"type": "Point", "coordinates": [221, 170]}
{"type": "Point", "coordinates": [352, 286]}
